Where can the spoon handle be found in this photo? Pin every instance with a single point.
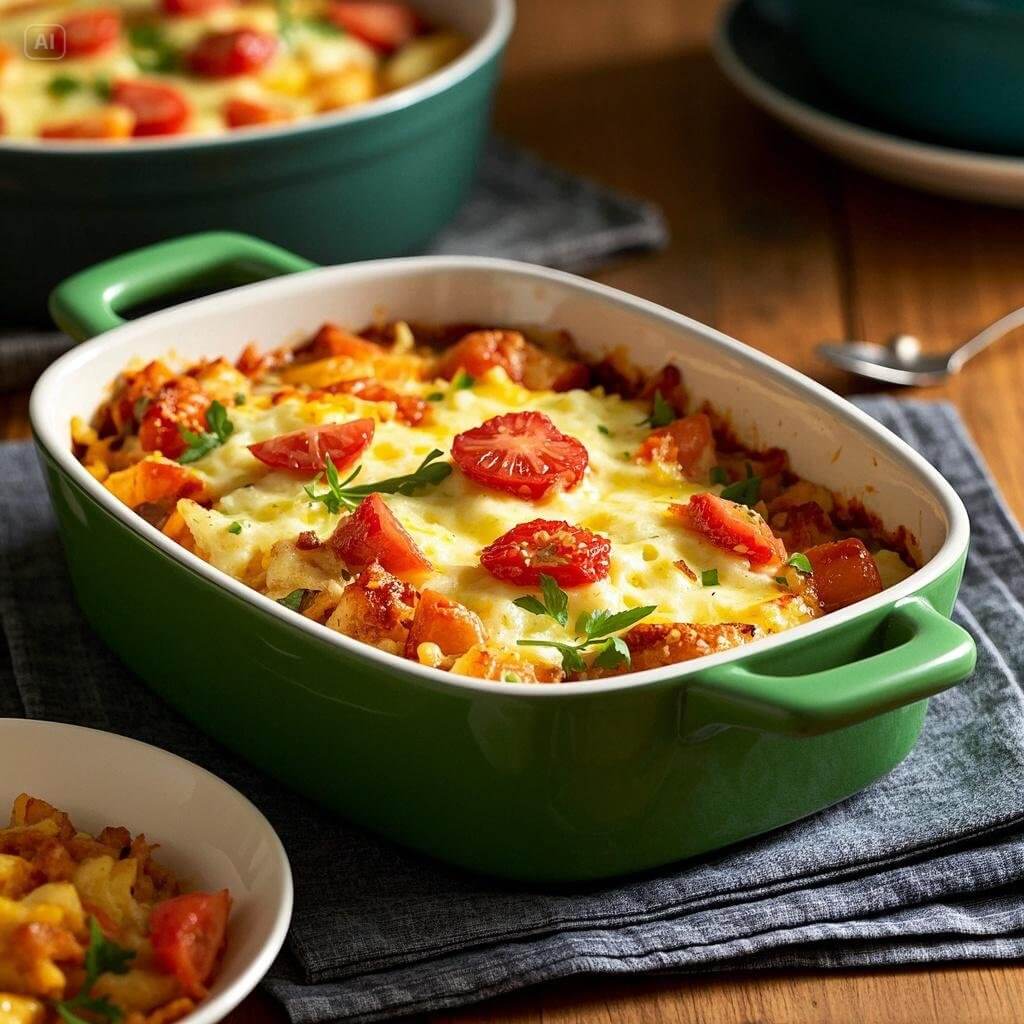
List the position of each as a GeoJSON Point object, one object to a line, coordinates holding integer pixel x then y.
{"type": "Point", "coordinates": [982, 340]}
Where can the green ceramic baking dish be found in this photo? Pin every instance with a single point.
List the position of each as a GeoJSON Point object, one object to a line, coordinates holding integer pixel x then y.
{"type": "Point", "coordinates": [376, 180]}
{"type": "Point", "coordinates": [562, 782]}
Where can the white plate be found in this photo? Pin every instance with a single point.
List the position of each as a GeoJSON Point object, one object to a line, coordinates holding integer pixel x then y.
{"type": "Point", "coordinates": [209, 834]}
{"type": "Point", "coordinates": [763, 59]}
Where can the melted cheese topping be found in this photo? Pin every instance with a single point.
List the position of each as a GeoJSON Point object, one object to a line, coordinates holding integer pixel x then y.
{"type": "Point", "coordinates": [618, 498]}
{"type": "Point", "coordinates": [316, 68]}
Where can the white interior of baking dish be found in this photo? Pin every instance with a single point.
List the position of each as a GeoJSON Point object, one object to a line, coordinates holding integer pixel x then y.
{"type": "Point", "coordinates": [828, 440]}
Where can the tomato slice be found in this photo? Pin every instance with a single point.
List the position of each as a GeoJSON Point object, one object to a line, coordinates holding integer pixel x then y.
{"type": "Point", "coordinates": [385, 26]}
{"type": "Point", "coordinates": [480, 351]}
{"type": "Point", "coordinates": [411, 409]}
{"type": "Point", "coordinates": [191, 8]}
{"type": "Point", "coordinates": [734, 528]}
{"type": "Point", "coordinates": [91, 31]}
{"type": "Point", "coordinates": [568, 554]}
{"type": "Point", "coordinates": [238, 51]}
{"type": "Point", "coordinates": [159, 109]}
{"type": "Point", "coordinates": [373, 534]}
{"type": "Point", "coordinates": [108, 123]}
{"type": "Point", "coordinates": [242, 113]}
{"type": "Point", "coordinates": [305, 451]}
{"type": "Point", "coordinates": [520, 453]}
{"type": "Point", "coordinates": [180, 403]}
{"type": "Point", "coordinates": [187, 934]}
{"type": "Point", "coordinates": [844, 572]}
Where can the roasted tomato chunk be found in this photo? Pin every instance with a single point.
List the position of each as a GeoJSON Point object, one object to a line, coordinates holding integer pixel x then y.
{"type": "Point", "coordinates": [305, 451]}
{"type": "Point", "coordinates": [520, 453]}
{"type": "Point", "coordinates": [373, 534]}
{"type": "Point", "coordinates": [187, 934]}
{"type": "Point", "coordinates": [844, 572]}
{"type": "Point", "coordinates": [481, 351]}
{"type": "Point", "coordinates": [240, 112]}
{"type": "Point", "coordinates": [446, 623]}
{"type": "Point", "coordinates": [191, 8]}
{"type": "Point", "coordinates": [570, 555]}
{"type": "Point", "coordinates": [179, 405]}
{"type": "Point", "coordinates": [332, 340]}
{"type": "Point", "coordinates": [91, 31]}
{"type": "Point", "coordinates": [410, 408]}
{"type": "Point", "coordinates": [734, 528]}
{"type": "Point", "coordinates": [687, 443]}
{"type": "Point", "coordinates": [159, 109]}
{"type": "Point", "coordinates": [239, 51]}
{"type": "Point", "coordinates": [385, 26]}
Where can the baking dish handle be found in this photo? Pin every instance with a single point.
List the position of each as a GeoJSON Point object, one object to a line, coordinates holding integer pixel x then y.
{"type": "Point", "coordinates": [923, 653]}
{"type": "Point", "coordinates": [89, 302]}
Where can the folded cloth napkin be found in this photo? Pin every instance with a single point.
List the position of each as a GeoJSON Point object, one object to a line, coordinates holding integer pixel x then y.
{"type": "Point", "coordinates": [924, 865]}
{"type": "Point", "coordinates": [520, 209]}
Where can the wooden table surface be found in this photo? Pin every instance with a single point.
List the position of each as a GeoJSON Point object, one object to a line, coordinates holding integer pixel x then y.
{"type": "Point", "coordinates": [781, 247]}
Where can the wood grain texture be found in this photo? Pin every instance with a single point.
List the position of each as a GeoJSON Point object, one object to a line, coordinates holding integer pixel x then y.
{"type": "Point", "coordinates": [781, 247]}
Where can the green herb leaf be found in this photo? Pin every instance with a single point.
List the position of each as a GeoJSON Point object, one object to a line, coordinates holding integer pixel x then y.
{"type": "Point", "coordinates": [530, 604]}
{"type": "Point", "coordinates": [620, 620]}
{"type": "Point", "coordinates": [235, 528]}
{"type": "Point", "coordinates": [239, 398]}
{"type": "Point", "coordinates": [801, 563]}
{"type": "Point", "coordinates": [293, 601]}
{"type": "Point", "coordinates": [589, 624]}
{"type": "Point", "coordinates": [340, 495]}
{"type": "Point", "coordinates": [571, 659]}
{"type": "Point", "coordinates": [709, 578]}
{"type": "Point", "coordinates": [613, 653]}
{"type": "Point", "coordinates": [435, 396]}
{"type": "Point", "coordinates": [323, 26]}
{"type": "Point", "coordinates": [151, 50]}
{"type": "Point", "coordinates": [103, 87]}
{"type": "Point", "coordinates": [782, 581]}
{"type": "Point", "coordinates": [744, 492]}
{"type": "Point", "coordinates": [221, 428]}
{"type": "Point", "coordinates": [462, 381]}
{"type": "Point", "coordinates": [556, 600]}
{"type": "Point", "coordinates": [661, 415]}
{"type": "Point", "coordinates": [102, 957]}
{"type": "Point", "coordinates": [602, 429]}
{"type": "Point", "coordinates": [719, 475]}
{"type": "Point", "coordinates": [63, 85]}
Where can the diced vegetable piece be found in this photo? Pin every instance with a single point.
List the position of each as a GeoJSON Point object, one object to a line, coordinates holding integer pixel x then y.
{"type": "Point", "coordinates": [733, 528]}
{"type": "Point", "coordinates": [159, 109]}
{"type": "Point", "coordinates": [111, 122]}
{"type": "Point", "coordinates": [687, 442]}
{"type": "Point", "coordinates": [385, 26]}
{"type": "Point", "coordinates": [233, 52]}
{"type": "Point", "coordinates": [179, 404]}
{"type": "Point", "coordinates": [843, 572]}
{"type": "Point", "coordinates": [375, 607]}
{"type": "Point", "coordinates": [448, 624]}
{"type": "Point", "coordinates": [187, 934]}
{"type": "Point", "coordinates": [652, 645]}
{"type": "Point", "coordinates": [373, 534]}
{"type": "Point", "coordinates": [480, 351]}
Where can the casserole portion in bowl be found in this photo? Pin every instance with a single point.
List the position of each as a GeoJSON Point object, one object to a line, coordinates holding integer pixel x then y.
{"type": "Point", "coordinates": [93, 929]}
{"type": "Point", "coordinates": [144, 68]}
{"type": "Point", "coordinates": [482, 500]}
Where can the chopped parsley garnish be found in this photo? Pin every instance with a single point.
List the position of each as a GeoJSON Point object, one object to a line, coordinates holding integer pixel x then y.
{"type": "Point", "coordinates": [602, 429]}
{"type": "Point", "coordinates": [719, 475]}
{"type": "Point", "coordinates": [103, 87]}
{"type": "Point", "coordinates": [744, 492]}
{"type": "Point", "coordinates": [340, 495]}
{"type": "Point", "coordinates": [151, 50]}
{"type": "Point", "coordinates": [709, 578]}
{"type": "Point", "coordinates": [102, 957]}
{"type": "Point", "coordinates": [435, 396]}
{"type": "Point", "coordinates": [510, 677]}
{"type": "Point", "coordinates": [63, 85]}
{"type": "Point", "coordinates": [293, 601]}
{"type": "Point", "coordinates": [221, 428]}
{"type": "Point", "coordinates": [235, 528]}
{"type": "Point", "coordinates": [801, 563]}
{"type": "Point", "coordinates": [592, 629]}
{"type": "Point", "coordinates": [782, 581]}
{"type": "Point", "coordinates": [462, 380]}
{"type": "Point", "coordinates": [661, 415]}
{"type": "Point", "coordinates": [323, 26]}
{"type": "Point", "coordinates": [627, 456]}
{"type": "Point", "coordinates": [239, 398]}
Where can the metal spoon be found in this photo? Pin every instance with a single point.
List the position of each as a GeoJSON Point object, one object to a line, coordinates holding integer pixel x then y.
{"type": "Point", "coordinates": [903, 362]}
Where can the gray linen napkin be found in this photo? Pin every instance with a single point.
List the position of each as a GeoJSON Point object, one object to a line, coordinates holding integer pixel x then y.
{"type": "Point", "coordinates": [520, 209]}
{"type": "Point", "coordinates": [925, 865]}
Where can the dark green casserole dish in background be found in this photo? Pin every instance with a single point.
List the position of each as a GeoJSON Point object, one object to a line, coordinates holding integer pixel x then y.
{"type": "Point", "coordinates": [379, 179]}
{"type": "Point", "coordinates": [555, 782]}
